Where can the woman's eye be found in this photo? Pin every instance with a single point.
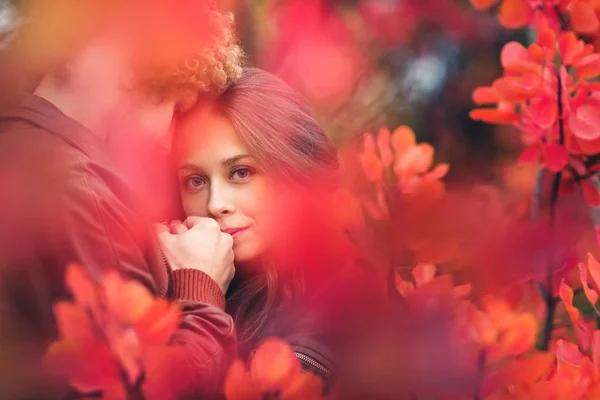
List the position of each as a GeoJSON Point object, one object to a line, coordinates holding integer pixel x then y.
{"type": "Point", "coordinates": [194, 182]}
{"type": "Point", "coordinates": [242, 173]}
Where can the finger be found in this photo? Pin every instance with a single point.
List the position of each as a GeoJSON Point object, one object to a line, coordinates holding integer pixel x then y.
{"type": "Point", "coordinates": [226, 239]}
{"type": "Point", "coordinates": [164, 238]}
{"type": "Point", "coordinates": [178, 228]}
{"type": "Point", "coordinates": [192, 222]}
{"type": "Point", "coordinates": [158, 228]}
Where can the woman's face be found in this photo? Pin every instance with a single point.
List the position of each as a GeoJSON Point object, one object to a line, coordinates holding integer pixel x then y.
{"type": "Point", "coordinates": [218, 178]}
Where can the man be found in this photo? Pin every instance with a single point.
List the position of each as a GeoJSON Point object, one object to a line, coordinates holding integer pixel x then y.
{"type": "Point", "coordinates": [67, 194]}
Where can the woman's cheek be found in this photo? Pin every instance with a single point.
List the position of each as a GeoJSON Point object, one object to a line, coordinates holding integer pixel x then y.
{"type": "Point", "coordinates": [193, 205]}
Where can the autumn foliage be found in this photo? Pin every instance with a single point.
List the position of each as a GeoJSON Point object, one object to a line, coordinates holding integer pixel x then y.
{"type": "Point", "coordinates": [500, 298]}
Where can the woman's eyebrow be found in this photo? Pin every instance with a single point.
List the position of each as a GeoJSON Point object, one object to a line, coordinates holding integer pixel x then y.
{"type": "Point", "coordinates": [232, 160]}
{"type": "Point", "coordinates": [188, 167]}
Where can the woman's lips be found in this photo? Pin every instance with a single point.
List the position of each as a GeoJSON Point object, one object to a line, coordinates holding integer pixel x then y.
{"type": "Point", "coordinates": [235, 232]}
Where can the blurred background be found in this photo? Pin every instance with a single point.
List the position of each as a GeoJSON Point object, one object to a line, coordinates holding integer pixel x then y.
{"type": "Point", "coordinates": [371, 63]}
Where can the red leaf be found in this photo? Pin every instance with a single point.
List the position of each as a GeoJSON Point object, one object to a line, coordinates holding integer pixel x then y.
{"type": "Point", "coordinates": [567, 353]}
{"type": "Point", "coordinates": [544, 112]}
{"type": "Point", "coordinates": [513, 53]}
{"type": "Point", "coordinates": [531, 154]}
{"type": "Point", "coordinates": [555, 157]}
{"type": "Point", "coordinates": [585, 122]}
{"type": "Point", "coordinates": [590, 193]}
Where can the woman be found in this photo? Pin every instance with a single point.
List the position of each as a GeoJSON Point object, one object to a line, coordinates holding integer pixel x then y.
{"type": "Point", "coordinates": [258, 163]}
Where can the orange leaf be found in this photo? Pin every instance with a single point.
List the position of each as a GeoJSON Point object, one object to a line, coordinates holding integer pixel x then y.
{"type": "Point", "coordinates": [303, 386]}
{"type": "Point", "coordinates": [128, 301]}
{"type": "Point", "coordinates": [493, 116]}
{"type": "Point", "coordinates": [514, 89]}
{"type": "Point", "coordinates": [88, 365]}
{"type": "Point", "coordinates": [547, 40]}
{"type": "Point", "coordinates": [383, 143]}
{"type": "Point", "coordinates": [596, 350]}
{"type": "Point", "coordinates": [588, 67]}
{"type": "Point", "coordinates": [483, 4]}
{"type": "Point", "coordinates": [518, 336]}
{"type": "Point", "coordinates": [583, 17]}
{"type": "Point", "coordinates": [81, 285]}
{"type": "Point", "coordinates": [158, 324]}
{"type": "Point", "coordinates": [590, 193]}
{"type": "Point", "coordinates": [414, 161]}
{"type": "Point", "coordinates": [239, 384]}
{"type": "Point", "coordinates": [403, 139]}
{"type": "Point", "coordinates": [462, 291]}
{"type": "Point", "coordinates": [423, 273]}
{"type": "Point", "coordinates": [438, 172]}
{"type": "Point", "coordinates": [273, 364]}
{"type": "Point", "coordinates": [566, 295]}
{"type": "Point", "coordinates": [535, 53]}
{"type": "Point", "coordinates": [73, 321]}
{"type": "Point", "coordinates": [515, 13]}
{"type": "Point", "coordinates": [485, 95]}
{"type": "Point", "coordinates": [404, 288]}
{"type": "Point", "coordinates": [570, 48]}
{"type": "Point", "coordinates": [594, 268]}
{"type": "Point", "coordinates": [591, 294]}
{"type": "Point", "coordinates": [567, 353]}
{"type": "Point", "coordinates": [524, 371]}
{"type": "Point", "coordinates": [555, 156]}
{"type": "Point", "coordinates": [125, 346]}
{"type": "Point", "coordinates": [168, 374]}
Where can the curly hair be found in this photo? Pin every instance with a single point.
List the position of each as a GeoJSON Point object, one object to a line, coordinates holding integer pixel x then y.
{"type": "Point", "coordinates": [185, 48]}
{"type": "Point", "coordinates": [198, 72]}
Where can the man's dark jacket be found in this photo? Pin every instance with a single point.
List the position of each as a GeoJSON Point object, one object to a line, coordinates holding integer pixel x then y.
{"type": "Point", "coordinates": [64, 199]}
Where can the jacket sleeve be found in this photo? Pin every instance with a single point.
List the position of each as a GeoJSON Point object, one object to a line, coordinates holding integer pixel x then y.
{"type": "Point", "coordinates": [102, 233]}
{"type": "Point", "coordinates": [208, 332]}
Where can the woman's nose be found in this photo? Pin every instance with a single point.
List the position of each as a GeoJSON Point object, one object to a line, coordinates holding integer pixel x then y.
{"type": "Point", "coordinates": [220, 201]}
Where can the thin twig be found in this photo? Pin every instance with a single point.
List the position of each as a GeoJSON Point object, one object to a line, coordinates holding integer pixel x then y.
{"type": "Point", "coordinates": [481, 362]}
{"type": "Point", "coordinates": [549, 298]}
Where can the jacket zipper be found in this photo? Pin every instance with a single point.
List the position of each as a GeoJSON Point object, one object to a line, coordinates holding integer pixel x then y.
{"type": "Point", "coordinates": [312, 362]}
